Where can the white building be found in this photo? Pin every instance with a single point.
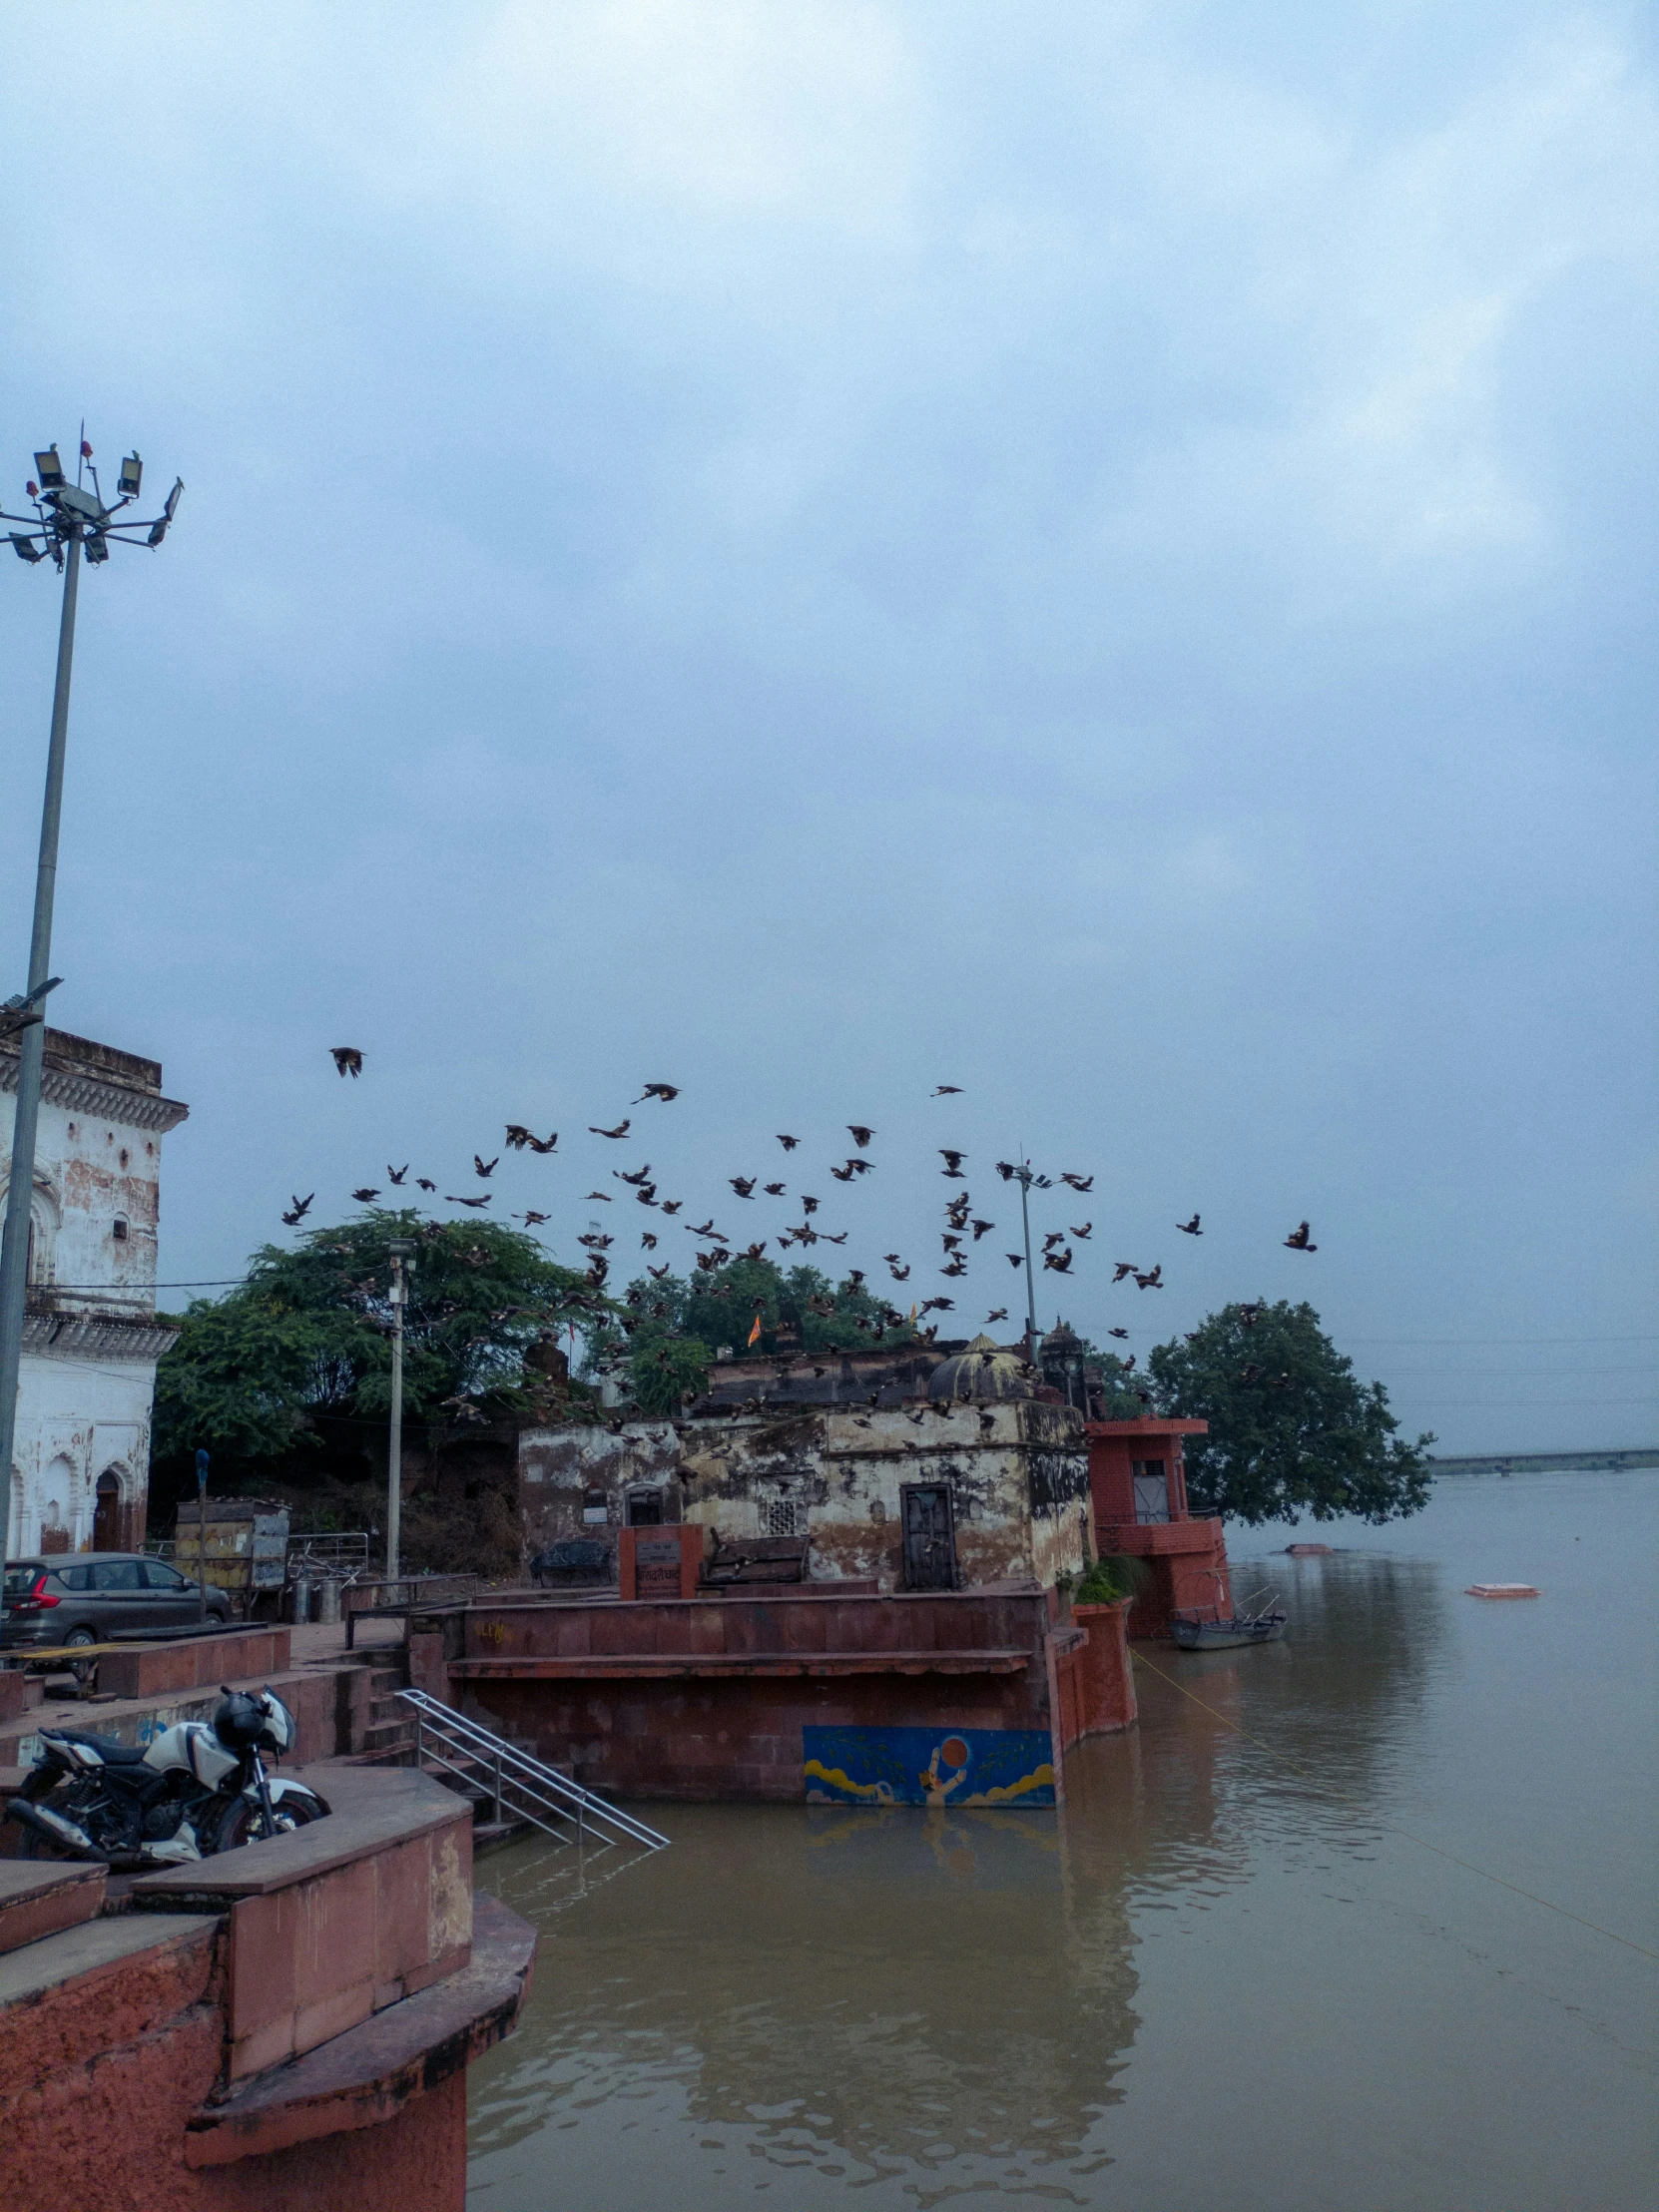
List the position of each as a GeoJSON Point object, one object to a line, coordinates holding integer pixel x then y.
{"type": "Point", "coordinates": [81, 1461]}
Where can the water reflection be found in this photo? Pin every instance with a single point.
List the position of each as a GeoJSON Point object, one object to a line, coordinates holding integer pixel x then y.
{"type": "Point", "coordinates": [926, 2004]}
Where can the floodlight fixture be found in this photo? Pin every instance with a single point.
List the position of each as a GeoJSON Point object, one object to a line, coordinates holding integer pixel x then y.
{"type": "Point", "coordinates": [97, 547]}
{"type": "Point", "coordinates": [49, 469]}
{"type": "Point", "coordinates": [131, 477]}
{"type": "Point", "coordinates": [26, 548]}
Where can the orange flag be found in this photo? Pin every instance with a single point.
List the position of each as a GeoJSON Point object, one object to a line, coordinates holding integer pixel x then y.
{"type": "Point", "coordinates": [755, 1333]}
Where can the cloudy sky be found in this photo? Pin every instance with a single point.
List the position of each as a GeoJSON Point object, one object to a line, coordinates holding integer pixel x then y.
{"type": "Point", "coordinates": [1102, 554]}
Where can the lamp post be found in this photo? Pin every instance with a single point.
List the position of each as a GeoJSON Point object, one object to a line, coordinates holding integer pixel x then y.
{"type": "Point", "coordinates": [67, 522]}
{"type": "Point", "coordinates": [403, 1257]}
{"type": "Point", "coordinates": [1028, 1180]}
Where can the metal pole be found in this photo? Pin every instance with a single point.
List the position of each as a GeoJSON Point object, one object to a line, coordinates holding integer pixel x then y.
{"type": "Point", "coordinates": [201, 1536]}
{"type": "Point", "coordinates": [394, 1445]}
{"type": "Point", "coordinates": [1030, 1278]}
{"type": "Point", "coordinates": [14, 1244]}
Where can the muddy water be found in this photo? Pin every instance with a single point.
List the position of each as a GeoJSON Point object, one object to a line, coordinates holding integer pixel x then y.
{"type": "Point", "coordinates": [1224, 1971]}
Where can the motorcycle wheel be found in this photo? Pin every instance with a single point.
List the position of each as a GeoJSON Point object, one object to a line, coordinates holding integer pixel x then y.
{"type": "Point", "coordinates": [244, 1821]}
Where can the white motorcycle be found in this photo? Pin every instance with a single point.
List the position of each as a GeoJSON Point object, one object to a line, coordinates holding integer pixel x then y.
{"type": "Point", "coordinates": [196, 1789]}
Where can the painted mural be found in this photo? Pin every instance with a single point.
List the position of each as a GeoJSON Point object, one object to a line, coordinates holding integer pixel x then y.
{"type": "Point", "coordinates": [928, 1766]}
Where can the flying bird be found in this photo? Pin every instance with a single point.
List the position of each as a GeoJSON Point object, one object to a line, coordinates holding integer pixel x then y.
{"type": "Point", "coordinates": [843, 1175]}
{"type": "Point", "coordinates": [859, 1134]}
{"type": "Point", "coordinates": [663, 1091]}
{"type": "Point", "coordinates": [1079, 1182]}
{"type": "Point", "coordinates": [595, 1241]}
{"type": "Point", "coordinates": [1001, 1314]}
{"type": "Point", "coordinates": [657, 1274]}
{"type": "Point", "coordinates": [981, 1227]}
{"type": "Point", "coordinates": [425, 1183]}
{"type": "Point", "coordinates": [544, 1144]}
{"type": "Point", "coordinates": [841, 1239]}
{"type": "Point", "coordinates": [1128, 1366]}
{"type": "Point", "coordinates": [952, 1168]}
{"type": "Point", "coordinates": [450, 1200]}
{"type": "Point", "coordinates": [1060, 1262]}
{"type": "Point", "coordinates": [744, 1185]}
{"type": "Point", "coordinates": [707, 1229]}
{"type": "Point", "coordinates": [604, 1197]}
{"type": "Point", "coordinates": [530, 1220]}
{"type": "Point", "coordinates": [1251, 1373]}
{"type": "Point", "coordinates": [811, 1205]}
{"type": "Point", "coordinates": [1015, 1260]}
{"type": "Point", "coordinates": [639, 1175]}
{"type": "Point", "coordinates": [1123, 1267]}
{"type": "Point", "coordinates": [772, 1190]}
{"type": "Point", "coordinates": [481, 1167]}
{"type": "Point", "coordinates": [1153, 1280]}
{"type": "Point", "coordinates": [899, 1275]}
{"type": "Point", "coordinates": [1082, 1234]}
{"type": "Point", "coordinates": [959, 1266]}
{"type": "Point", "coordinates": [672, 1205]}
{"type": "Point", "coordinates": [947, 1090]}
{"type": "Point", "coordinates": [347, 1058]}
{"type": "Point", "coordinates": [517, 1135]}
{"type": "Point", "coordinates": [649, 1241]}
{"type": "Point", "coordinates": [1248, 1314]}
{"type": "Point", "coordinates": [789, 1143]}
{"type": "Point", "coordinates": [1053, 1238]}
{"type": "Point", "coordinates": [363, 1196]}
{"type": "Point", "coordinates": [301, 1207]}
{"type": "Point", "coordinates": [1190, 1228]}
{"type": "Point", "coordinates": [1117, 1332]}
{"type": "Point", "coordinates": [1007, 1170]}
{"type": "Point", "coordinates": [1298, 1240]}
{"type": "Point", "coordinates": [396, 1175]}
{"type": "Point", "coordinates": [621, 1130]}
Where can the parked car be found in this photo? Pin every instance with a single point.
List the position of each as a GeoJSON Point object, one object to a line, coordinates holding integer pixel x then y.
{"type": "Point", "coordinates": [81, 1597]}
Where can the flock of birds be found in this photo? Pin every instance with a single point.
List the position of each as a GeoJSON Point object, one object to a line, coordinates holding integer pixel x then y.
{"type": "Point", "coordinates": [962, 1231]}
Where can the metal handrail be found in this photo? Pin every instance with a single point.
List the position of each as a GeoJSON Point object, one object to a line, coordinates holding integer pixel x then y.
{"type": "Point", "coordinates": [515, 1768]}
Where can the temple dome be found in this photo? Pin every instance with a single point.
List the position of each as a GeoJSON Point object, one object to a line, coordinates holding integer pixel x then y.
{"type": "Point", "coordinates": [984, 1369]}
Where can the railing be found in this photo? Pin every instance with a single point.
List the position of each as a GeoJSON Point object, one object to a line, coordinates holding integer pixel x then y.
{"type": "Point", "coordinates": [521, 1787]}
{"type": "Point", "coordinates": [341, 1556]}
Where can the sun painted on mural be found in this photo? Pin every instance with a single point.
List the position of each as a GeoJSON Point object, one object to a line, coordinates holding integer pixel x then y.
{"type": "Point", "coordinates": [927, 1766]}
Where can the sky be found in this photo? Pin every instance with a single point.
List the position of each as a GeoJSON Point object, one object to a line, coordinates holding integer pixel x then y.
{"type": "Point", "coordinates": [1099, 554]}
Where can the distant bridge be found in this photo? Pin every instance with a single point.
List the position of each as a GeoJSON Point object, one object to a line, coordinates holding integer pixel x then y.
{"type": "Point", "coordinates": [1552, 1462]}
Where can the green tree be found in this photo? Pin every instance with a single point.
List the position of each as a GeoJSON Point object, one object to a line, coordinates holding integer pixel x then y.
{"type": "Point", "coordinates": [1291, 1429]}
{"type": "Point", "coordinates": [306, 1336]}
{"type": "Point", "coordinates": [673, 1329]}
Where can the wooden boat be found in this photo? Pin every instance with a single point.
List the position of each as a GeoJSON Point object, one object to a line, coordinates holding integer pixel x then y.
{"type": "Point", "coordinates": [1198, 1628]}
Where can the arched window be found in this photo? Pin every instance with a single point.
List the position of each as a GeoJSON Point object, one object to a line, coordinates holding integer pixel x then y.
{"type": "Point", "coordinates": [107, 1520]}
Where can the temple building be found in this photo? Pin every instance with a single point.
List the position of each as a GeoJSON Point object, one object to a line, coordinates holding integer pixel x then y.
{"type": "Point", "coordinates": [81, 1456]}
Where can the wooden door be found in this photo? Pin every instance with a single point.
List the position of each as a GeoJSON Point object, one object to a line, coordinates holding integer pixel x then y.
{"type": "Point", "coordinates": [106, 1519]}
{"type": "Point", "coordinates": [930, 1536]}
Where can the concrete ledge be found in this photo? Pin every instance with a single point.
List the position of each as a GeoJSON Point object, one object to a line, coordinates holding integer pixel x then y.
{"type": "Point", "coordinates": [655, 1666]}
{"type": "Point", "coordinates": [93, 1950]}
{"type": "Point", "coordinates": [38, 1900]}
{"type": "Point", "coordinates": [367, 2074]}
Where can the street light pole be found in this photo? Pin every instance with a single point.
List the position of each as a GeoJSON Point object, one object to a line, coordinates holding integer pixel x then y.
{"type": "Point", "coordinates": [67, 519]}
{"type": "Point", "coordinates": [1030, 1277]}
{"type": "Point", "coordinates": [403, 1249]}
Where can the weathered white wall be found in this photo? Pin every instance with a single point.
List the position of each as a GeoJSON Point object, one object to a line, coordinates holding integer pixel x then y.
{"type": "Point", "coordinates": [91, 1344]}
{"type": "Point", "coordinates": [1018, 1475]}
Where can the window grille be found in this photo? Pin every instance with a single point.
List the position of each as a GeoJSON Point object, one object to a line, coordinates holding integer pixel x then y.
{"type": "Point", "coordinates": [777, 1517]}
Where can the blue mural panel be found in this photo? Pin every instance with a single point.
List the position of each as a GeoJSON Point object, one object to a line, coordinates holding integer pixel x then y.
{"type": "Point", "coordinates": [928, 1766]}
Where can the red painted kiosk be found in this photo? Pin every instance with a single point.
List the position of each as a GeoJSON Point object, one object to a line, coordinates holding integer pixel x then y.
{"type": "Point", "coordinates": [1139, 1486]}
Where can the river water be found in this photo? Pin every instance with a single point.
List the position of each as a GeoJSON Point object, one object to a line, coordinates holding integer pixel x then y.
{"type": "Point", "coordinates": [1230, 1968]}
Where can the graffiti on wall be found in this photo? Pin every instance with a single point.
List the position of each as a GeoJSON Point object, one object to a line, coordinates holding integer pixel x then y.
{"type": "Point", "coordinates": [927, 1766]}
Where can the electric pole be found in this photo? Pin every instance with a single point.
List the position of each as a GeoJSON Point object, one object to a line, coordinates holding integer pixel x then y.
{"type": "Point", "coordinates": [402, 1255]}
{"type": "Point", "coordinates": [68, 520]}
{"type": "Point", "coordinates": [1028, 1180]}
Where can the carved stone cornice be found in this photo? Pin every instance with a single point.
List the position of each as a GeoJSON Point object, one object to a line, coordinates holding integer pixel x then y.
{"type": "Point", "coordinates": [94, 1336]}
{"type": "Point", "coordinates": [85, 1094]}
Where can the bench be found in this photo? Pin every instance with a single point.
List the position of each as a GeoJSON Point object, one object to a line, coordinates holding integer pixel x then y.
{"type": "Point", "coordinates": [579, 1560]}
{"type": "Point", "coordinates": [756, 1560]}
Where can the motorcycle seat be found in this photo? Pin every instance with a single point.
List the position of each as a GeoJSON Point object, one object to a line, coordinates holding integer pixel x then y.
{"type": "Point", "coordinates": [111, 1753]}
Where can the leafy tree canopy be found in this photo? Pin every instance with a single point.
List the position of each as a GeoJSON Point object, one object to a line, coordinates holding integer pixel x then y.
{"type": "Point", "coordinates": [1291, 1429]}
{"type": "Point", "coordinates": [307, 1335]}
{"type": "Point", "coordinates": [672, 1330]}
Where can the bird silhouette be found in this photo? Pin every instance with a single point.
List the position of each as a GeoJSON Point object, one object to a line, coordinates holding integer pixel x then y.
{"type": "Point", "coordinates": [1298, 1241]}
{"type": "Point", "coordinates": [843, 1175]}
{"type": "Point", "coordinates": [811, 1205]}
{"type": "Point", "coordinates": [959, 1266]}
{"type": "Point", "coordinates": [1053, 1238]}
{"type": "Point", "coordinates": [1190, 1228]}
{"type": "Point", "coordinates": [657, 1275]}
{"type": "Point", "coordinates": [1015, 1260]}
{"type": "Point", "coordinates": [947, 1090]}
{"type": "Point", "coordinates": [1153, 1280]}
{"type": "Point", "coordinates": [841, 1239]}
{"type": "Point", "coordinates": [981, 1227]}
{"type": "Point", "coordinates": [1060, 1262]}
{"type": "Point", "coordinates": [949, 1239]}
{"type": "Point", "coordinates": [604, 1197]}
{"type": "Point", "coordinates": [707, 1229]}
{"type": "Point", "coordinates": [1123, 1267]}
{"type": "Point", "coordinates": [517, 1135]}
{"type": "Point", "coordinates": [450, 1200]}
{"type": "Point", "coordinates": [1083, 1235]}
{"type": "Point", "coordinates": [425, 1183]}
{"type": "Point", "coordinates": [347, 1059]}
{"type": "Point", "coordinates": [952, 1168]}
{"type": "Point", "coordinates": [1250, 1373]}
{"type": "Point", "coordinates": [396, 1175]}
{"type": "Point", "coordinates": [1001, 1314]}
{"type": "Point", "coordinates": [301, 1207]}
{"type": "Point", "coordinates": [595, 1241]}
{"type": "Point", "coordinates": [859, 1134]}
{"type": "Point", "coordinates": [663, 1091]}
{"type": "Point", "coordinates": [363, 1196]}
{"type": "Point", "coordinates": [744, 1185]}
{"type": "Point", "coordinates": [544, 1144]}
{"type": "Point", "coordinates": [639, 1176]}
{"type": "Point", "coordinates": [772, 1190]}
{"type": "Point", "coordinates": [621, 1130]}
{"type": "Point", "coordinates": [672, 1205]}
{"type": "Point", "coordinates": [480, 1167]}
{"type": "Point", "coordinates": [649, 1241]}
{"type": "Point", "coordinates": [1117, 1332]}
{"type": "Point", "coordinates": [789, 1143]}
{"type": "Point", "coordinates": [530, 1220]}
{"type": "Point", "coordinates": [1079, 1182]}
{"type": "Point", "coordinates": [899, 1275]}
{"type": "Point", "coordinates": [1007, 1170]}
